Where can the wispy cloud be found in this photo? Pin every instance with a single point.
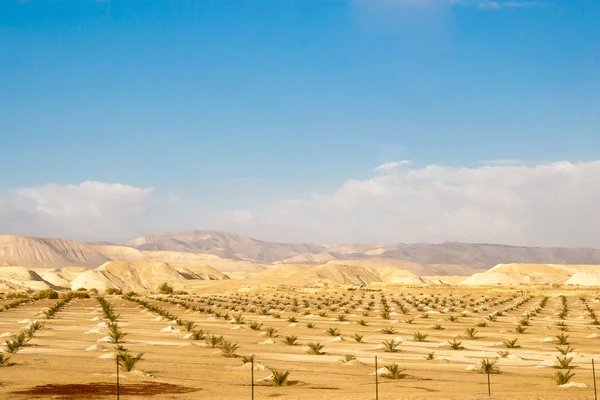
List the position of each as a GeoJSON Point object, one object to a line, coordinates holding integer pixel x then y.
{"type": "Point", "coordinates": [481, 4]}
{"type": "Point", "coordinates": [499, 5]}
{"type": "Point", "coordinates": [502, 161]}
{"type": "Point", "coordinates": [392, 165]}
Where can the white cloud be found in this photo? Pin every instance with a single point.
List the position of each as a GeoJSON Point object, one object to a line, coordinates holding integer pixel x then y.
{"type": "Point", "coordinates": [392, 165]}
{"type": "Point", "coordinates": [502, 161]}
{"type": "Point", "coordinates": [481, 4]}
{"type": "Point", "coordinates": [88, 211]}
{"type": "Point", "coordinates": [544, 204]}
{"type": "Point", "coordinates": [498, 5]}
{"type": "Point", "coordinates": [238, 216]}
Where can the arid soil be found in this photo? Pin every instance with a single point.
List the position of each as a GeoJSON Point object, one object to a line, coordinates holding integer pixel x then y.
{"type": "Point", "coordinates": [70, 355]}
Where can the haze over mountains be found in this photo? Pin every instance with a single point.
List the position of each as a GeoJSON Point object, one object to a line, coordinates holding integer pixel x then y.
{"type": "Point", "coordinates": [249, 254]}
{"type": "Point", "coordinates": [232, 246]}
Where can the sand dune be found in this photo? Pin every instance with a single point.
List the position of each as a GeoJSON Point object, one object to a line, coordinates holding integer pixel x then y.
{"type": "Point", "coordinates": [415, 268]}
{"type": "Point", "coordinates": [18, 278]}
{"type": "Point", "coordinates": [537, 274]}
{"type": "Point", "coordinates": [142, 276]}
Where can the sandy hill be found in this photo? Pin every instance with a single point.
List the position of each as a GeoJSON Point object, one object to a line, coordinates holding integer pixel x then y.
{"type": "Point", "coordinates": [139, 276]}
{"type": "Point", "coordinates": [35, 252]}
{"type": "Point", "coordinates": [216, 262]}
{"type": "Point", "coordinates": [333, 274]}
{"type": "Point", "coordinates": [413, 267]}
{"type": "Point", "coordinates": [18, 278]}
{"type": "Point", "coordinates": [537, 274]}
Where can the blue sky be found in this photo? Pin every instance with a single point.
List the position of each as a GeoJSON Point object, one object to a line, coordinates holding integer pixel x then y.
{"type": "Point", "coordinates": [237, 106]}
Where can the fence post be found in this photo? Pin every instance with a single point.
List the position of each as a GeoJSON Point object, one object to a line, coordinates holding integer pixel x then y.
{"type": "Point", "coordinates": [252, 377]}
{"type": "Point", "coordinates": [118, 384]}
{"type": "Point", "coordinates": [594, 377]}
{"type": "Point", "coordinates": [376, 381]}
{"type": "Point", "coordinates": [489, 388]}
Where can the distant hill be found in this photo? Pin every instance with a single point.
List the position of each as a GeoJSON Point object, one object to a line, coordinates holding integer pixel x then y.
{"type": "Point", "coordinates": [480, 256]}
{"type": "Point", "coordinates": [34, 252]}
{"type": "Point", "coordinates": [228, 252]}
{"type": "Point", "coordinates": [222, 244]}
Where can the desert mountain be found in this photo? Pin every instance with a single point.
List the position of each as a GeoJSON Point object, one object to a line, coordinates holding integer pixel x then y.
{"type": "Point", "coordinates": [227, 252]}
{"type": "Point", "coordinates": [36, 252]}
{"type": "Point", "coordinates": [40, 253]}
{"type": "Point", "coordinates": [481, 256]}
{"type": "Point", "coordinates": [225, 245]}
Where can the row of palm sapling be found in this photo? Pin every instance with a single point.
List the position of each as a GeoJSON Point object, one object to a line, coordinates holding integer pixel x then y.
{"type": "Point", "coordinates": [404, 306]}
{"type": "Point", "coordinates": [59, 305]}
{"type": "Point", "coordinates": [125, 359]}
{"type": "Point", "coordinates": [18, 341]}
{"type": "Point", "coordinates": [228, 348]}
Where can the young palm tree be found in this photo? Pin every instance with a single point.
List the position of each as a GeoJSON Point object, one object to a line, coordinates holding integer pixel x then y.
{"type": "Point", "coordinates": [511, 344]}
{"type": "Point", "coordinates": [562, 378]}
{"type": "Point", "coordinates": [390, 346]}
{"type": "Point", "coordinates": [455, 345]}
{"type": "Point", "coordinates": [228, 349]}
{"type": "Point", "coordinates": [214, 341]}
{"type": "Point", "coordinates": [430, 356]}
{"type": "Point", "coordinates": [316, 348]}
{"type": "Point", "coordinates": [419, 337]}
{"type": "Point", "coordinates": [291, 340]}
{"type": "Point", "coordinates": [247, 359]}
{"type": "Point", "coordinates": [388, 331]}
{"type": "Point", "coordinates": [562, 339]}
{"type": "Point", "coordinates": [394, 372]}
{"type": "Point", "coordinates": [310, 325]}
{"type": "Point", "coordinates": [189, 325]}
{"type": "Point", "coordinates": [4, 360]}
{"type": "Point", "coordinates": [520, 329]}
{"type": "Point", "coordinates": [280, 378]}
{"type": "Point", "coordinates": [489, 367]}
{"type": "Point", "coordinates": [127, 361]}
{"type": "Point", "coordinates": [566, 350]}
{"type": "Point", "coordinates": [471, 333]}
{"type": "Point", "coordinates": [197, 335]}
{"type": "Point", "coordinates": [358, 337]}
{"type": "Point", "coordinates": [348, 357]}
{"type": "Point", "coordinates": [333, 332]}
{"type": "Point", "coordinates": [271, 332]}
{"type": "Point", "coordinates": [255, 326]}
{"type": "Point", "coordinates": [564, 362]}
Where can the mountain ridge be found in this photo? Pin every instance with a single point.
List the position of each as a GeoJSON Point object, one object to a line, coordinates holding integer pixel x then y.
{"type": "Point", "coordinates": [227, 251]}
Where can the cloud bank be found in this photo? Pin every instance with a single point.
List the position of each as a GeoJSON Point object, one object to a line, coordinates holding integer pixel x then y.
{"type": "Point", "coordinates": [545, 204]}
{"type": "Point", "coordinates": [87, 211]}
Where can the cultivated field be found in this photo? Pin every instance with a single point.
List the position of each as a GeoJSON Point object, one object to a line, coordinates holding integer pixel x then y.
{"type": "Point", "coordinates": [429, 343]}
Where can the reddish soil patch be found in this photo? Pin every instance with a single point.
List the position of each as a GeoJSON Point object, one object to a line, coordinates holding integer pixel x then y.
{"type": "Point", "coordinates": [83, 391]}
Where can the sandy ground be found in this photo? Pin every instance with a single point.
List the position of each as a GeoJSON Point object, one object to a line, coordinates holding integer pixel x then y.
{"type": "Point", "coordinates": [57, 354]}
